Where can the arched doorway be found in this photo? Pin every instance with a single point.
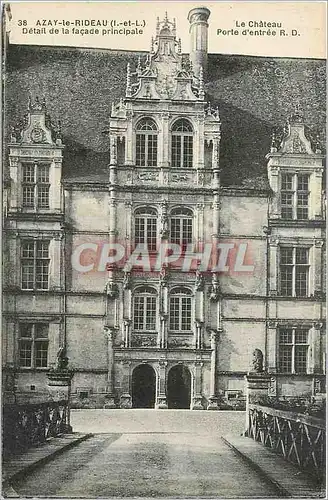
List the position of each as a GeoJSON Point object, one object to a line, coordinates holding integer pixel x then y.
{"type": "Point", "coordinates": [143, 387]}
{"type": "Point", "coordinates": [179, 387]}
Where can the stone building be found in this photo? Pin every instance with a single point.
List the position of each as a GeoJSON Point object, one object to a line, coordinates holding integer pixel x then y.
{"type": "Point", "coordinates": [149, 329]}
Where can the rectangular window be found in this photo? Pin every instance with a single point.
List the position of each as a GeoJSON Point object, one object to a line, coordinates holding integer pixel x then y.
{"type": "Point", "coordinates": [295, 196]}
{"type": "Point", "coordinates": [293, 350]}
{"type": "Point", "coordinates": [35, 265]}
{"type": "Point", "coordinates": [144, 316]}
{"type": "Point", "coordinates": [35, 186]}
{"type": "Point", "coordinates": [182, 151]}
{"type": "Point", "coordinates": [146, 232]}
{"type": "Point", "coordinates": [146, 150]}
{"type": "Point", "coordinates": [181, 231]}
{"type": "Point", "coordinates": [294, 271]}
{"type": "Point", "coordinates": [33, 345]}
{"type": "Point", "coordinates": [180, 314]}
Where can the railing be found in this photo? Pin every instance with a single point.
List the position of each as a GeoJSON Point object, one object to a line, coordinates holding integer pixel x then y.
{"type": "Point", "coordinates": [299, 438]}
{"type": "Point", "coordinates": [32, 424]}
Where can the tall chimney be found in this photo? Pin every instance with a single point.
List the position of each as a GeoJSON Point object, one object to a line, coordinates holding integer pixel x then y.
{"type": "Point", "coordinates": [198, 36]}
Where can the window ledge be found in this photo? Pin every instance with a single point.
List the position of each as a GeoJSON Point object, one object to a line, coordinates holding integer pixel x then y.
{"type": "Point", "coordinates": [297, 222]}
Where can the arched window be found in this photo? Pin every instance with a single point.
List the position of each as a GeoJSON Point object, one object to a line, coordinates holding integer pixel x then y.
{"type": "Point", "coordinates": [180, 310]}
{"type": "Point", "coordinates": [181, 226]}
{"type": "Point", "coordinates": [145, 229]}
{"type": "Point", "coordinates": [146, 143]}
{"type": "Point", "coordinates": [144, 309]}
{"type": "Point", "coordinates": [182, 144]}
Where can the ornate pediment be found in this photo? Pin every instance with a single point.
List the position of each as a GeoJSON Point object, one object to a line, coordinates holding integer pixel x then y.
{"type": "Point", "coordinates": [165, 73]}
{"type": "Point", "coordinates": [36, 128]}
{"type": "Point", "coordinates": [292, 138]}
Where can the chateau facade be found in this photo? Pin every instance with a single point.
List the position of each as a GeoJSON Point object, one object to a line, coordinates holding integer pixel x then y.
{"type": "Point", "coordinates": [165, 330]}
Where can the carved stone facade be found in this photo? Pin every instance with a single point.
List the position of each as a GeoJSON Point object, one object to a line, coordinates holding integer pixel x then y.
{"type": "Point", "coordinates": [181, 333]}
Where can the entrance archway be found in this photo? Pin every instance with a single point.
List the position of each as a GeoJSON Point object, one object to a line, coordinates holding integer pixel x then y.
{"type": "Point", "coordinates": [143, 387]}
{"type": "Point", "coordinates": [179, 387]}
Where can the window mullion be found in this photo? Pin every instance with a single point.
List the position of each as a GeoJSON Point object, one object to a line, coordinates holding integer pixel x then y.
{"type": "Point", "coordinates": [146, 149]}
{"type": "Point", "coordinates": [180, 314]}
{"type": "Point", "coordinates": [33, 347]}
{"type": "Point", "coordinates": [181, 154]}
{"type": "Point", "coordinates": [294, 273]}
{"type": "Point", "coordinates": [293, 351]}
{"type": "Point", "coordinates": [295, 199]}
{"type": "Point", "coordinates": [34, 263]}
{"type": "Point", "coordinates": [144, 320]}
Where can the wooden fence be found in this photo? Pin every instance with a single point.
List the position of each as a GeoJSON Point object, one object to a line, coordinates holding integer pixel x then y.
{"type": "Point", "coordinates": [298, 438]}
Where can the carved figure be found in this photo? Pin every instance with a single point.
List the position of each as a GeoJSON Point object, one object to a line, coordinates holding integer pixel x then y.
{"type": "Point", "coordinates": [163, 276]}
{"type": "Point", "coordinates": [112, 290]}
{"type": "Point", "coordinates": [164, 226]}
{"type": "Point", "coordinates": [62, 359]}
{"type": "Point", "coordinates": [215, 289]}
{"type": "Point", "coordinates": [199, 281]}
{"type": "Point", "coordinates": [257, 361]}
{"type": "Point", "coordinates": [127, 280]}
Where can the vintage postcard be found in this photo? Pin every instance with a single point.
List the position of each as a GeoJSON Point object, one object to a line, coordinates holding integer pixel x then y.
{"type": "Point", "coordinates": [164, 249]}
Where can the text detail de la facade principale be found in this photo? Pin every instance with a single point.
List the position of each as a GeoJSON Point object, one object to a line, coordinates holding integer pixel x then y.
{"type": "Point", "coordinates": [83, 27]}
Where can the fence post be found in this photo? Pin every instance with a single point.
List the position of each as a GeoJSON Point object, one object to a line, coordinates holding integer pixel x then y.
{"type": "Point", "coordinates": [59, 386]}
{"type": "Point", "coordinates": [257, 384]}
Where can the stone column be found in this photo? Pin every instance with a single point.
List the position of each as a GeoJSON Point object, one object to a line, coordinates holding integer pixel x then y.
{"type": "Point", "coordinates": [126, 399]}
{"type": "Point", "coordinates": [161, 401]}
{"type": "Point", "coordinates": [197, 396]}
{"type": "Point", "coordinates": [213, 399]}
{"type": "Point", "coordinates": [110, 335]}
{"type": "Point", "coordinates": [127, 332]}
{"type": "Point", "coordinates": [257, 386]}
{"type": "Point", "coordinates": [59, 386]}
{"type": "Point", "coordinates": [163, 149]}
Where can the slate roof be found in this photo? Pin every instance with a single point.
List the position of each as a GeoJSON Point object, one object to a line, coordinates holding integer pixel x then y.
{"type": "Point", "coordinates": [254, 94]}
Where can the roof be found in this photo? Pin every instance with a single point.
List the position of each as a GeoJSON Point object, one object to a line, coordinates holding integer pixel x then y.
{"type": "Point", "coordinates": [254, 94]}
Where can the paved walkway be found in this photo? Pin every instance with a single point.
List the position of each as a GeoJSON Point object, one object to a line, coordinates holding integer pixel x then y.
{"type": "Point", "coordinates": [165, 453]}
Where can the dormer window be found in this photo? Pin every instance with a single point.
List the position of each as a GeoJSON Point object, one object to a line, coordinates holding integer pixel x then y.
{"type": "Point", "coordinates": [295, 196]}
{"type": "Point", "coordinates": [146, 143]}
{"type": "Point", "coordinates": [35, 186]}
{"type": "Point", "coordinates": [182, 144]}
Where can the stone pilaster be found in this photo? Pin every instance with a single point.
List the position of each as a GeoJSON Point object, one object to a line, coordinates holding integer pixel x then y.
{"type": "Point", "coordinates": [126, 399]}
{"type": "Point", "coordinates": [161, 401]}
{"type": "Point", "coordinates": [110, 336]}
{"type": "Point", "coordinates": [274, 172]}
{"type": "Point", "coordinates": [213, 399]}
{"type": "Point", "coordinates": [273, 266]}
{"type": "Point", "coordinates": [197, 395]}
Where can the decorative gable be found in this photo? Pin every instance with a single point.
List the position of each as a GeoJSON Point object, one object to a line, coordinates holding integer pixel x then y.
{"type": "Point", "coordinates": [36, 128]}
{"type": "Point", "coordinates": [166, 73]}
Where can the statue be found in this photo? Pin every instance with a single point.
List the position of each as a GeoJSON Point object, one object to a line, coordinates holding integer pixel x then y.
{"type": "Point", "coordinates": [257, 361]}
{"type": "Point", "coordinates": [215, 289]}
{"type": "Point", "coordinates": [164, 226]}
{"type": "Point", "coordinates": [164, 275]}
{"type": "Point", "coordinates": [199, 281]}
{"type": "Point", "coordinates": [112, 290]}
{"type": "Point", "coordinates": [62, 359]}
{"type": "Point", "coordinates": [127, 280]}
